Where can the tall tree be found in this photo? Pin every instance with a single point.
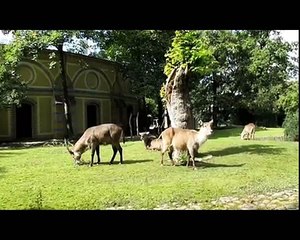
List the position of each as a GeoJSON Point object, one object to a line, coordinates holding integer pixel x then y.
{"type": "Point", "coordinates": [249, 66]}
{"type": "Point", "coordinates": [230, 69]}
{"type": "Point", "coordinates": [189, 54]}
{"type": "Point", "coordinates": [12, 89]}
{"type": "Point", "coordinates": [141, 53]}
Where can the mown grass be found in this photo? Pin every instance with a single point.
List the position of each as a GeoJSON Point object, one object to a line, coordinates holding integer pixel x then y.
{"type": "Point", "coordinates": [46, 178]}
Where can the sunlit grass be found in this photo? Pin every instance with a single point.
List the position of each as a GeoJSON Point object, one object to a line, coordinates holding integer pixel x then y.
{"type": "Point", "coordinates": [46, 178]}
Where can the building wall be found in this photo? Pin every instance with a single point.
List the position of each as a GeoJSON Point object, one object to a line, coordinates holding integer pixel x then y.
{"type": "Point", "coordinates": [5, 118]}
{"type": "Point", "coordinates": [90, 81]}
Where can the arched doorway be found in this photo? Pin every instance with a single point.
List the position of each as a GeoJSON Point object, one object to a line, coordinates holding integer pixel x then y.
{"type": "Point", "coordinates": [24, 121]}
{"type": "Point", "coordinates": [92, 115]}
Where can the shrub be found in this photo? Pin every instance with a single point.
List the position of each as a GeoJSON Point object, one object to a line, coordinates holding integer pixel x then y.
{"type": "Point", "coordinates": [291, 126]}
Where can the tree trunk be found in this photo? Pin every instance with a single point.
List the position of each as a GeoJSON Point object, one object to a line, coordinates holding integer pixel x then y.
{"type": "Point", "coordinates": [178, 100]}
{"type": "Point", "coordinates": [66, 99]}
{"type": "Point", "coordinates": [215, 108]}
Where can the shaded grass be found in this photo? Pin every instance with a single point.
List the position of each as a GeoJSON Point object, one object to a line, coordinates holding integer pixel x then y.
{"type": "Point", "coordinates": [46, 178]}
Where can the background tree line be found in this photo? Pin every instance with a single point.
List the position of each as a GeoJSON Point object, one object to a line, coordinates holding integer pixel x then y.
{"type": "Point", "coordinates": [232, 76]}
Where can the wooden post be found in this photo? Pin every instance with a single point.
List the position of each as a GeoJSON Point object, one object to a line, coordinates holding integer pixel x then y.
{"type": "Point", "coordinates": [130, 126]}
{"type": "Point", "coordinates": [137, 123]}
{"type": "Point", "coordinates": [166, 119]}
{"type": "Point", "coordinates": [66, 99]}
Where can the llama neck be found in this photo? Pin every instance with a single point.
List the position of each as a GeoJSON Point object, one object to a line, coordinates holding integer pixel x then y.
{"type": "Point", "coordinates": [80, 147]}
{"type": "Point", "coordinates": [201, 137]}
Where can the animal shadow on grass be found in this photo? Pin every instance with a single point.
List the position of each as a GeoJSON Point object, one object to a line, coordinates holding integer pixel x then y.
{"type": "Point", "coordinates": [9, 154]}
{"type": "Point", "coordinates": [252, 149]}
{"type": "Point", "coordinates": [2, 171]}
{"type": "Point", "coordinates": [208, 165]}
{"type": "Point", "coordinates": [117, 162]}
{"type": "Point", "coordinates": [20, 145]}
{"type": "Point", "coordinates": [205, 164]}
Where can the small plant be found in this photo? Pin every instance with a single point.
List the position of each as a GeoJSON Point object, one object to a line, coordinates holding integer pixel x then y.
{"type": "Point", "coordinates": [38, 202]}
{"type": "Point", "coordinates": [181, 158]}
{"type": "Point", "coordinates": [291, 126]}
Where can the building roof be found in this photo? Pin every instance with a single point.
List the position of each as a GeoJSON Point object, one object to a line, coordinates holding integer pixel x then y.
{"type": "Point", "coordinates": [84, 56]}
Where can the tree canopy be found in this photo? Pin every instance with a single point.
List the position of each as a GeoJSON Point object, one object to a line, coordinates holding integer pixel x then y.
{"type": "Point", "coordinates": [142, 54]}
{"type": "Point", "coordinates": [228, 69]}
{"type": "Point", "coordinates": [232, 69]}
{"type": "Point", "coordinates": [289, 97]}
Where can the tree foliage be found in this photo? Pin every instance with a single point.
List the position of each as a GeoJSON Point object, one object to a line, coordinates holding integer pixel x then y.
{"type": "Point", "coordinates": [289, 98]}
{"type": "Point", "coordinates": [190, 48]}
{"type": "Point", "coordinates": [291, 126]}
{"type": "Point", "coordinates": [232, 69]}
{"type": "Point", "coordinates": [141, 52]}
{"type": "Point", "coordinates": [289, 102]}
{"type": "Point", "coordinates": [227, 69]}
{"type": "Point", "coordinates": [12, 89]}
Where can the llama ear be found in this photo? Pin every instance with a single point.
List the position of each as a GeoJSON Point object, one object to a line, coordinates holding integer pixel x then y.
{"type": "Point", "coordinates": [211, 121]}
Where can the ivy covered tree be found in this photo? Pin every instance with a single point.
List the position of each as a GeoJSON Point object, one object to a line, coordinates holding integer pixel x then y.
{"type": "Point", "coordinates": [189, 54]}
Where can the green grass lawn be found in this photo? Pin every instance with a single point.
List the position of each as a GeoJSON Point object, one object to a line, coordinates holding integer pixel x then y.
{"type": "Point", "coordinates": [46, 178]}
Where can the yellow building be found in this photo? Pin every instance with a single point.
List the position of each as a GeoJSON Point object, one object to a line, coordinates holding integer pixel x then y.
{"type": "Point", "coordinates": [97, 90]}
